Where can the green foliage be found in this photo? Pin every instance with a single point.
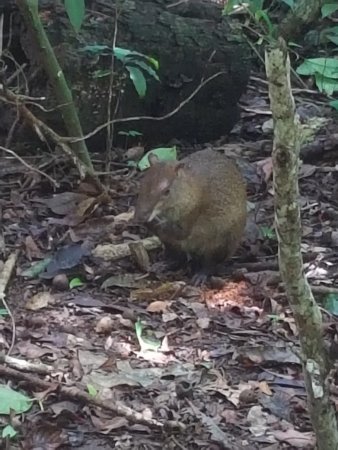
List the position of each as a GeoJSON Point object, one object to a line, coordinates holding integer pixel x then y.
{"type": "Point", "coordinates": [163, 154]}
{"type": "Point", "coordinates": [91, 390]}
{"type": "Point", "coordinates": [331, 303]}
{"type": "Point", "coordinates": [36, 268]}
{"type": "Point", "coordinates": [137, 64]}
{"type": "Point", "coordinates": [75, 282]}
{"type": "Point", "coordinates": [290, 3]}
{"type": "Point", "coordinates": [130, 133]}
{"type": "Point", "coordinates": [76, 12]}
{"type": "Point", "coordinates": [325, 71]}
{"type": "Point", "coordinates": [255, 10]}
{"type": "Point", "coordinates": [146, 343]}
{"type": "Point", "coordinates": [11, 400]}
{"type": "Point", "coordinates": [329, 9]}
{"type": "Point", "coordinates": [3, 312]}
{"type": "Point", "coordinates": [268, 232]}
{"type": "Point", "coordinates": [330, 34]}
{"type": "Point", "coordinates": [8, 432]}
{"type": "Point", "coordinates": [334, 104]}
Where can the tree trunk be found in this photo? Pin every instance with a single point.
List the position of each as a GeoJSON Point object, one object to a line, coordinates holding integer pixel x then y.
{"type": "Point", "coordinates": [285, 155]}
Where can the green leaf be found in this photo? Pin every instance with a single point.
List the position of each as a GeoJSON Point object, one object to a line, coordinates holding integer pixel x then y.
{"type": "Point", "coordinates": [12, 400]}
{"type": "Point", "coordinates": [91, 390]}
{"type": "Point", "coordinates": [334, 104]}
{"type": "Point", "coordinates": [290, 3]}
{"type": "Point", "coordinates": [327, 67]}
{"type": "Point", "coordinates": [154, 62]}
{"type": "Point", "coordinates": [8, 432]}
{"type": "Point", "coordinates": [76, 12]}
{"type": "Point", "coordinates": [331, 303]}
{"type": "Point", "coordinates": [329, 9]}
{"type": "Point", "coordinates": [146, 343]}
{"type": "Point", "coordinates": [97, 49]}
{"type": "Point", "coordinates": [230, 6]}
{"type": "Point", "coordinates": [3, 312]}
{"type": "Point", "coordinates": [256, 6]}
{"type": "Point", "coordinates": [146, 67]}
{"type": "Point", "coordinates": [325, 84]}
{"type": "Point", "coordinates": [268, 232]}
{"type": "Point", "coordinates": [36, 268]}
{"type": "Point", "coordinates": [333, 38]}
{"type": "Point", "coordinates": [163, 154]}
{"type": "Point", "coordinates": [261, 14]}
{"type": "Point", "coordinates": [131, 133]}
{"type": "Point", "coordinates": [75, 282]}
{"type": "Point", "coordinates": [138, 80]}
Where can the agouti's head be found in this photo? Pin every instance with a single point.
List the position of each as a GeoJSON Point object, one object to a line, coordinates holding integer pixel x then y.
{"type": "Point", "coordinates": [166, 191]}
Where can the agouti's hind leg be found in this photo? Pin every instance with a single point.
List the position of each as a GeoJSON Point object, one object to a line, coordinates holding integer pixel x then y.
{"type": "Point", "coordinates": [201, 271]}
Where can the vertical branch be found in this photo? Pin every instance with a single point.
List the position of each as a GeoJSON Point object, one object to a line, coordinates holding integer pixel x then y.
{"type": "Point", "coordinates": [30, 13]}
{"type": "Point", "coordinates": [285, 156]}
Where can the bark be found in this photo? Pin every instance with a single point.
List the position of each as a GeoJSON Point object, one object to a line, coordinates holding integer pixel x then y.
{"type": "Point", "coordinates": [285, 154]}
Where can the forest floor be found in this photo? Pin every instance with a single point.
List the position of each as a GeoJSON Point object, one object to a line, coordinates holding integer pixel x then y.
{"type": "Point", "coordinates": [222, 369]}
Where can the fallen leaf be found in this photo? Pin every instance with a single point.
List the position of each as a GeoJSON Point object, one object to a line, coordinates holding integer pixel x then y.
{"type": "Point", "coordinates": [39, 301]}
{"type": "Point", "coordinates": [104, 325]}
{"type": "Point", "coordinates": [158, 306]}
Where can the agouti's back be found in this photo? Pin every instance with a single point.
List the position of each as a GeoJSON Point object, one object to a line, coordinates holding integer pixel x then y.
{"type": "Point", "coordinates": [196, 205]}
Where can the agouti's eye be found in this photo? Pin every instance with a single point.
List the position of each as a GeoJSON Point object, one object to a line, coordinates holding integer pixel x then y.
{"type": "Point", "coordinates": [166, 192]}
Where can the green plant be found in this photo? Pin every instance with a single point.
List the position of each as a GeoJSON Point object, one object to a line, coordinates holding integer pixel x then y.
{"type": "Point", "coordinates": [324, 70]}
{"type": "Point", "coordinates": [131, 133]}
{"type": "Point", "coordinates": [268, 232]}
{"type": "Point", "coordinates": [12, 402]}
{"type": "Point", "coordinates": [146, 343]}
{"type": "Point", "coordinates": [137, 64]}
{"type": "Point", "coordinates": [163, 154]}
{"type": "Point", "coordinates": [76, 12]}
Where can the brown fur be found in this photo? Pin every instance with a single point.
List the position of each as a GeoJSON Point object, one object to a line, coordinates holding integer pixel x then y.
{"type": "Point", "coordinates": [200, 203]}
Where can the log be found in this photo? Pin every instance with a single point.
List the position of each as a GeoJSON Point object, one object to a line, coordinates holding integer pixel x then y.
{"type": "Point", "coordinates": [191, 41]}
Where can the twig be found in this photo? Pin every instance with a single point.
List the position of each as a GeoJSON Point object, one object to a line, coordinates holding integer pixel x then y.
{"type": "Point", "coordinates": [7, 150]}
{"type": "Point", "coordinates": [76, 394]}
{"type": "Point", "coordinates": [5, 276]}
{"type": "Point", "coordinates": [110, 128]}
{"type": "Point", "coordinates": [138, 118]}
{"type": "Point", "coordinates": [26, 366]}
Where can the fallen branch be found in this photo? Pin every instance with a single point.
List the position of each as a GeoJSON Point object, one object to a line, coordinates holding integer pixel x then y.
{"type": "Point", "coordinates": [74, 393]}
{"type": "Point", "coordinates": [113, 252]}
{"type": "Point", "coordinates": [26, 366]}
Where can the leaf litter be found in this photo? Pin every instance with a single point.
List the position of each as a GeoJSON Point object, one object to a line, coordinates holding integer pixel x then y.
{"type": "Point", "coordinates": [222, 360]}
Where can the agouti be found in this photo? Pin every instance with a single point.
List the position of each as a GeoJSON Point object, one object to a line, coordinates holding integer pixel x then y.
{"type": "Point", "coordinates": [196, 206]}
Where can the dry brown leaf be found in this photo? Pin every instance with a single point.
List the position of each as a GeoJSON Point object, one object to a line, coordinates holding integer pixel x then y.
{"type": "Point", "coordinates": [294, 438]}
{"type": "Point", "coordinates": [104, 325]}
{"type": "Point", "coordinates": [158, 306]}
{"type": "Point", "coordinates": [32, 250]}
{"type": "Point", "coordinates": [39, 301]}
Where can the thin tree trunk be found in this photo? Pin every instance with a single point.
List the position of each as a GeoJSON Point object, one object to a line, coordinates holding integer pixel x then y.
{"type": "Point", "coordinates": [285, 155]}
{"type": "Point", "coordinates": [30, 12]}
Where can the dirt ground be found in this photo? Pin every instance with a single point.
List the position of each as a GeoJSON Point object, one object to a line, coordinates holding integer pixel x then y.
{"type": "Point", "coordinates": [222, 368]}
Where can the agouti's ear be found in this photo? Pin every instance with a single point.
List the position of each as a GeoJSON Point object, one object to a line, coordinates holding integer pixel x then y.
{"type": "Point", "coordinates": [179, 169]}
{"type": "Point", "coordinates": [153, 159]}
